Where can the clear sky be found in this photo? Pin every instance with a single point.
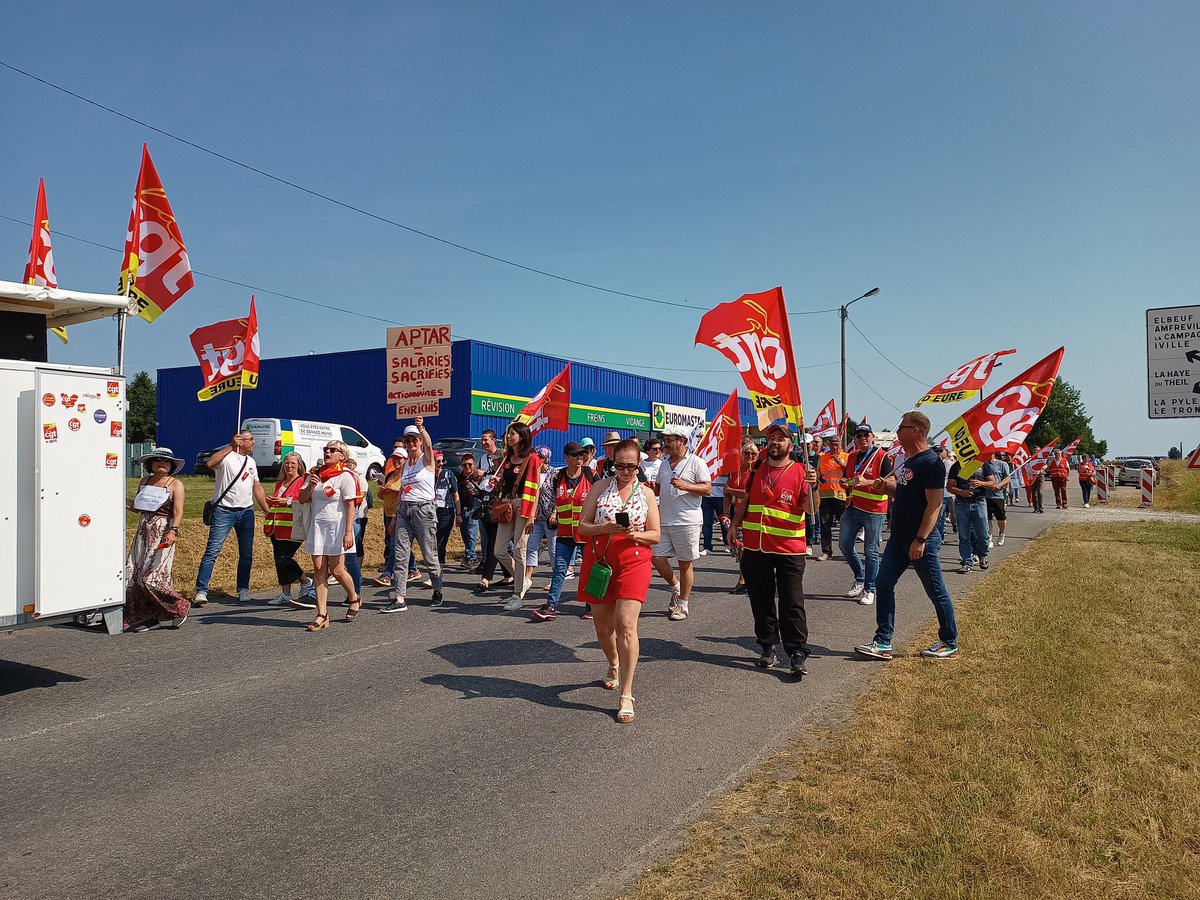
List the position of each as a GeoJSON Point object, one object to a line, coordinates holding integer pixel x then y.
{"type": "Point", "coordinates": [1009, 174]}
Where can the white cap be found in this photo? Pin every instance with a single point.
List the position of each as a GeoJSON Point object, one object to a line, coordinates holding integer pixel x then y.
{"type": "Point", "coordinates": [412, 429]}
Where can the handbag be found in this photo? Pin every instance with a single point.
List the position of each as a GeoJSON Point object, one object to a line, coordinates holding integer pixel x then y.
{"type": "Point", "coordinates": [210, 505]}
{"type": "Point", "coordinates": [502, 511]}
{"type": "Point", "coordinates": [600, 577]}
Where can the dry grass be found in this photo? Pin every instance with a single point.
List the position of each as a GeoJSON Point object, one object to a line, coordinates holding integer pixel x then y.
{"type": "Point", "coordinates": [194, 536]}
{"type": "Point", "coordinates": [1057, 758]}
{"type": "Point", "coordinates": [1178, 489]}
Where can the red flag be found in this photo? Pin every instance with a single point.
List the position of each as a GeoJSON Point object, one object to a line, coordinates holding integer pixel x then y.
{"type": "Point", "coordinates": [1036, 465]}
{"type": "Point", "coordinates": [754, 335]}
{"type": "Point", "coordinates": [1004, 420]}
{"type": "Point", "coordinates": [39, 271]}
{"type": "Point", "coordinates": [964, 382]}
{"type": "Point", "coordinates": [551, 408]}
{"type": "Point", "coordinates": [155, 270]}
{"type": "Point", "coordinates": [1020, 456]}
{"type": "Point", "coordinates": [826, 423]}
{"type": "Point", "coordinates": [229, 354]}
{"type": "Point", "coordinates": [720, 448]}
{"type": "Point", "coordinates": [1070, 448]}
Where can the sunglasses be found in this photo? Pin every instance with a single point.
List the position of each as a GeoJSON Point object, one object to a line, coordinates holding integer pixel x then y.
{"type": "Point", "coordinates": [578, 454]}
{"type": "Point", "coordinates": [625, 467]}
{"type": "Point", "coordinates": [331, 450]}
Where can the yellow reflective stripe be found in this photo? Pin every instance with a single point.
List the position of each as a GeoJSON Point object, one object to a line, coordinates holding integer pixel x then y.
{"type": "Point", "coordinates": [775, 513]}
{"type": "Point", "coordinates": [866, 496]}
{"type": "Point", "coordinates": [529, 498]}
{"type": "Point", "coordinates": [783, 532]}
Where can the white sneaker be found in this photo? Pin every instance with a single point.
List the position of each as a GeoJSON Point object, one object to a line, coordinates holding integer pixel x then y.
{"type": "Point", "coordinates": [570, 575]}
{"type": "Point", "coordinates": [867, 598]}
{"type": "Point", "coordinates": [427, 583]}
{"type": "Point", "coordinates": [677, 613]}
{"type": "Point", "coordinates": [808, 551]}
{"type": "Point", "coordinates": [282, 600]}
{"type": "Point", "coordinates": [200, 599]}
{"type": "Point", "coordinates": [991, 543]}
{"type": "Point", "coordinates": [244, 595]}
{"type": "Point", "coordinates": [1000, 541]}
{"type": "Point", "coordinates": [823, 557]}
{"type": "Point", "coordinates": [1087, 506]}
{"type": "Point", "coordinates": [513, 604]}
{"type": "Point", "coordinates": [856, 590]}
{"type": "Point", "coordinates": [704, 553]}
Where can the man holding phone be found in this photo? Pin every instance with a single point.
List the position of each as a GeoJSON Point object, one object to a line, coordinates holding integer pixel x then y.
{"type": "Point", "coordinates": [681, 483]}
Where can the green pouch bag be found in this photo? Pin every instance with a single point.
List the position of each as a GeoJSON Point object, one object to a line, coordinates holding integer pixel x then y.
{"type": "Point", "coordinates": [598, 580]}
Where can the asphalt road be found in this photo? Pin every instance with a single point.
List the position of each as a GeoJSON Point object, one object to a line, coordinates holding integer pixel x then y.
{"type": "Point", "coordinates": [450, 753]}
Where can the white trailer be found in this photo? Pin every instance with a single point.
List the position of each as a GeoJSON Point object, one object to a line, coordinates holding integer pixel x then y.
{"type": "Point", "coordinates": [62, 496]}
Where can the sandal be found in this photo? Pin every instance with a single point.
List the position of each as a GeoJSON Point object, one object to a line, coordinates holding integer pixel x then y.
{"type": "Point", "coordinates": [612, 680]}
{"type": "Point", "coordinates": [484, 584]}
{"type": "Point", "coordinates": [355, 608]}
{"type": "Point", "coordinates": [625, 710]}
{"type": "Point", "coordinates": [321, 621]}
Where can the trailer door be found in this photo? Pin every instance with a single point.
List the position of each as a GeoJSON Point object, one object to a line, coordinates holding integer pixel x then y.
{"type": "Point", "coordinates": [79, 490]}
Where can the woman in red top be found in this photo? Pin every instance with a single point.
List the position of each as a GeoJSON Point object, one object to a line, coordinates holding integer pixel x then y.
{"type": "Point", "coordinates": [1059, 471]}
{"type": "Point", "coordinates": [620, 524]}
{"type": "Point", "coordinates": [278, 527]}
{"type": "Point", "coordinates": [1087, 477]}
{"type": "Point", "coordinates": [735, 496]}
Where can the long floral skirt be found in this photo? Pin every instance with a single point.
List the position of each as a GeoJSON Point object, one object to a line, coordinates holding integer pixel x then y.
{"type": "Point", "coordinates": [149, 594]}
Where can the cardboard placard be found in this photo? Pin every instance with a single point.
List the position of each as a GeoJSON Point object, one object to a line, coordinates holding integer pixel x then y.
{"type": "Point", "coordinates": [418, 368]}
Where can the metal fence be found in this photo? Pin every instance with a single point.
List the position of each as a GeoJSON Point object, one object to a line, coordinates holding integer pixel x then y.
{"type": "Point", "coordinates": [132, 452]}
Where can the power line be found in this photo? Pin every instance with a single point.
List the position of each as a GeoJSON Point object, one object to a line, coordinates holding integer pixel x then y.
{"type": "Point", "coordinates": [357, 209]}
{"type": "Point", "coordinates": [875, 392]}
{"type": "Point", "coordinates": [881, 353]}
{"type": "Point", "coordinates": [341, 310]}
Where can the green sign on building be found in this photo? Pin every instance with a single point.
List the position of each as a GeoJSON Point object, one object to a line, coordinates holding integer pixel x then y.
{"type": "Point", "coordinates": [506, 406]}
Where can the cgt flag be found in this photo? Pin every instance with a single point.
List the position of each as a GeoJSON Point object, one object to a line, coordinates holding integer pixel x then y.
{"type": "Point", "coordinates": [39, 271]}
{"type": "Point", "coordinates": [551, 408]}
{"type": "Point", "coordinates": [1003, 421]}
{"type": "Point", "coordinates": [753, 333]}
{"type": "Point", "coordinates": [1070, 448]}
{"type": "Point", "coordinates": [826, 424]}
{"type": "Point", "coordinates": [155, 270]}
{"type": "Point", "coordinates": [1035, 465]}
{"type": "Point", "coordinates": [720, 448]}
{"type": "Point", "coordinates": [229, 354]}
{"type": "Point", "coordinates": [964, 382]}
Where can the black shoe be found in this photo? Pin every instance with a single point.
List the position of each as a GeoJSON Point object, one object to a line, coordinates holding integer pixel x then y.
{"type": "Point", "coordinates": [738, 589]}
{"type": "Point", "coordinates": [436, 599]}
{"type": "Point", "coordinates": [798, 667]}
{"type": "Point", "coordinates": [767, 659]}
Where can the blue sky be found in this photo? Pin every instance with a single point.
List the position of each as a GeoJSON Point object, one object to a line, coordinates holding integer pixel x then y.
{"type": "Point", "coordinates": [1009, 174]}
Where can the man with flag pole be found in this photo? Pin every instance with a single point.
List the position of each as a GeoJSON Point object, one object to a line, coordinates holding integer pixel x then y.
{"type": "Point", "coordinates": [915, 540]}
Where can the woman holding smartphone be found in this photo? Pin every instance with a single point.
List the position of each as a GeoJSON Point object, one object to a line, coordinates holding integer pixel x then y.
{"type": "Point", "coordinates": [620, 525]}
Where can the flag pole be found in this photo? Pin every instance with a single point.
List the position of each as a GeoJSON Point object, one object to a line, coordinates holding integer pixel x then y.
{"type": "Point", "coordinates": [241, 387]}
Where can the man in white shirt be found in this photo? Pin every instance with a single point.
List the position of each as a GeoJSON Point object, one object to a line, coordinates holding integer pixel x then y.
{"type": "Point", "coordinates": [236, 491]}
{"type": "Point", "coordinates": [682, 482]}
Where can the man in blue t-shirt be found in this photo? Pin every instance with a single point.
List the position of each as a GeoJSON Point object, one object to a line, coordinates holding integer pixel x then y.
{"type": "Point", "coordinates": [970, 508]}
{"type": "Point", "coordinates": [915, 540]}
{"type": "Point", "coordinates": [997, 508]}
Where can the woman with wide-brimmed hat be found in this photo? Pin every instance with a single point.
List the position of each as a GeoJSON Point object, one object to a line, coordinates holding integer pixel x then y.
{"type": "Point", "coordinates": [150, 597]}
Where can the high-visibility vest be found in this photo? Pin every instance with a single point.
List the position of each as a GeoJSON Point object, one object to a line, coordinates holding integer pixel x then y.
{"type": "Point", "coordinates": [1086, 471]}
{"type": "Point", "coordinates": [774, 521]}
{"type": "Point", "coordinates": [527, 490]}
{"type": "Point", "coordinates": [278, 521]}
{"type": "Point", "coordinates": [568, 504]}
{"type": "Point", "coordinates": [861, 498]}
{"type": "Point", "coordinates": [831, 475]}
{"type": "Point", "coordinates": [1059, 468]}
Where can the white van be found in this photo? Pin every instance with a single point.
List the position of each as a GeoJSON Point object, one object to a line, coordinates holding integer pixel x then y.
{"type": "Point", "coordinates": [276, 438]}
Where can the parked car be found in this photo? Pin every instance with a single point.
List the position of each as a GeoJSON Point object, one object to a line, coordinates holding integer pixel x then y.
{"type": "Point", "coordinates": [275, 438]}
{"type": "Point", "coordinates": [1131, 471]}
{"type": "Point", "coordinates": [201, 467]}
{"type": "Point", "coordinates": [453, 449]}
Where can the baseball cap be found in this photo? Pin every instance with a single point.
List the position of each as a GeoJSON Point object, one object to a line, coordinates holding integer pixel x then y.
{"type": "Point", "coordinates": [587, 442]}
{"type": "Point", "coordinates": [437, 454]}
{"type": "Point", "coordinates": [863, 428]}
{"type": "Point", "coordinates": [411, 430]}
{"type": "Point", "coordinates": [572, 447]}
{"type": "Point", "coordinates": [612, 438]}
{"type": "Point", "coordinates": [780, 425]}
{"type": "Point", "coordinates": [400, 452]}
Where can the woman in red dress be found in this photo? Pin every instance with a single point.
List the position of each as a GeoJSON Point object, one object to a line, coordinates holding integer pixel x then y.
{"type": "Point", "coordinates": [620, 523]}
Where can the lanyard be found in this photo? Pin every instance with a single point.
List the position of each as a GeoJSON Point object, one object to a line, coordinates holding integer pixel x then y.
{"type": "Point", "coordinates": [861, 462]}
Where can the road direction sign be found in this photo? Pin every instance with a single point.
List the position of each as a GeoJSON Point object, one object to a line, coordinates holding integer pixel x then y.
{"type": "Point", "coordinates": [1173, 362]}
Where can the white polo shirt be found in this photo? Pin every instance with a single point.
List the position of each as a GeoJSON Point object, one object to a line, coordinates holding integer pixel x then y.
{"type": "Point", "coordinates": [241, 494]}
{"type": "Point", "coordinates": [676, 507]}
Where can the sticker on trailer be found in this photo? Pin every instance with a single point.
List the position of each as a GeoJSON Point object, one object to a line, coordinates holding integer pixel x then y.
{"type": "Point", "coordinates": [85, 520]}
{"type": "Point", "coordinates": [73, 424]}
{"type": "Point", "coordinates": [48, 399]}
{"type": "Point", "coordinates": [114, 429]}
{"type": "Point", "coordinates": [110, 460]}
{"type": "Point", "coordinates": [50, 432]}
{"type": "Point", "coordinates": [100, 416]}
{"type": "Point", "coordinates": [69, 399]}
{"type": "Point", "coordinates": [114, 389]}
{"type": "Point", "coordinates": [80, 407]}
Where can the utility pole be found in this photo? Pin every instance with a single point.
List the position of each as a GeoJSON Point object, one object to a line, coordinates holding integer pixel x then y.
{"type": "Point", "coordinates": [843, 314]}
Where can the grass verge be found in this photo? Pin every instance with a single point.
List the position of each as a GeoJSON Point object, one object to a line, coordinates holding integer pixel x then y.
{"type": "Point", "coordinates": [1056, 758]}
{"type": "Point", "coordinates": [1178, 489]}
{"type": "Point", "coordinates": [194, 536]}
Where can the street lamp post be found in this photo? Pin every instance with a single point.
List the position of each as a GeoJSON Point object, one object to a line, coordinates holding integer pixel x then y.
{"type": "Point", "coordinates": [842, 312]}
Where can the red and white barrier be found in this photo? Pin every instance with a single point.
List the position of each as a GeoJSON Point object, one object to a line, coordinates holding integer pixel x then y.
{"type": "Point", "coordinates": [1147, 487]}
{"type": "Point", "coordinates": [1102, 484]}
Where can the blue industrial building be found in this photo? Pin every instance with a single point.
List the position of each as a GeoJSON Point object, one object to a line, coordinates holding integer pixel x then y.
{"type": "Point", "coordinates": [489, 385]}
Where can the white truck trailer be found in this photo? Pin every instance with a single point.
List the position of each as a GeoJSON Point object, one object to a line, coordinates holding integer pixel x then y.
{"type": "Point", "coordinates": [62, 442]}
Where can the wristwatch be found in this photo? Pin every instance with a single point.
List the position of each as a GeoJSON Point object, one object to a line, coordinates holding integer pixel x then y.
{"type": "Point", "coordinates": [921, 540]}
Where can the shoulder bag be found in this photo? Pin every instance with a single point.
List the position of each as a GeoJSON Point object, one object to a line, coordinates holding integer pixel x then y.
{"type": "Point", "coordinates": [211, 505]}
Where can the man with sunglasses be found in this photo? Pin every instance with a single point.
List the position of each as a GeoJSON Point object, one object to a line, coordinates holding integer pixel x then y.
{"type": "Point", "coordinates": [682, 482]}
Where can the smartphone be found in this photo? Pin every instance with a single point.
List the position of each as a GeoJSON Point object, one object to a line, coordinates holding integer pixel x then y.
{"type": "Point", "coordinates": [622, 519]}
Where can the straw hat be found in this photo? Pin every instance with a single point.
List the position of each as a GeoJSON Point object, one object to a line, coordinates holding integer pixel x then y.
{"type": "Point", "coordinates": [162, 453]}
